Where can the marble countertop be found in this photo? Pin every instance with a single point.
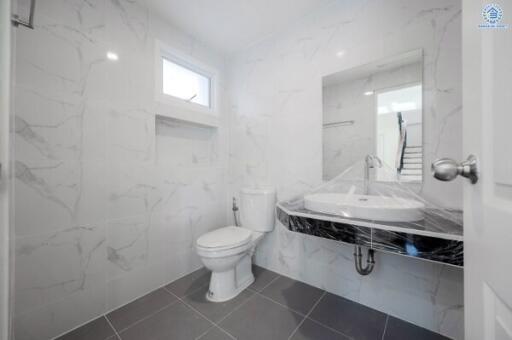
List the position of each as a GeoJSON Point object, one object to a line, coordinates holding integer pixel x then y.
{"type": "Point", "coordinates": [433, 225]}
{"type": "Point", "coordinates": [438, 237]}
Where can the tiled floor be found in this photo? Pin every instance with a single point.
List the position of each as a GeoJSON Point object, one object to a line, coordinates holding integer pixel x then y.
{"type": "Point", "coordinates": [274, 307]}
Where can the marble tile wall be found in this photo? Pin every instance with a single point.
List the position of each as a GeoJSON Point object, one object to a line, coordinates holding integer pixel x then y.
{"type": "Point", "coordinates": [109, 197]}
{"type": "Point", "coordinates": [276, 139]}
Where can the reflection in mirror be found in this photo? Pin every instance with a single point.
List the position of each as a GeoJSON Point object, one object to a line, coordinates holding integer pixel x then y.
{"type": "Point", "coordinates": [375, 109]}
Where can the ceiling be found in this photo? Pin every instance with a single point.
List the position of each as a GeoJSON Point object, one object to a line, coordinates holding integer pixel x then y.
{"type": "Point", "coordinates": [230, 25]}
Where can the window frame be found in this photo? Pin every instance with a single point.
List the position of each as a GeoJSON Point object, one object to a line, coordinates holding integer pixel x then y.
{"type": "Point", "coordinates": [163, 51]}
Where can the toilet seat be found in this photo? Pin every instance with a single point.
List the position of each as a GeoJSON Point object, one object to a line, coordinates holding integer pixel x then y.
{"type": "Point", "coordinates": [224, 239]}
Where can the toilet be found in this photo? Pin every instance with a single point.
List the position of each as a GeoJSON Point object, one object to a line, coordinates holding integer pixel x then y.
{"type": "Point", "coordinates": [228, 251]}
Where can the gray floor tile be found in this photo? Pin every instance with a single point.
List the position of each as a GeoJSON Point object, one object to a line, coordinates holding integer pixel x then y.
{"type": "Point", "coordinates": [262, 277]}
{"type": "Point", "coordinates": [215, 311]}
{"type": "Point", "coordinates": [215, 334]}
{"type": "Point", "coordinates": [190, 283]}
{"type": "Point", "coordinates": [159, 315]}
{"type": "Point", "coordinates": [261, 318]}
{"type": "Point", "coordinates": [98, 329]}
{"type": "Point", "coordinates": [350, 318]}
{"type": "Point", "coordinates": [311, 330]}
{"type": "Point", "coordinates": [399, 329]}
{"type": "Point", "coordinates": [294, 294]}
{"type": "Point", "coordinates": [140, 308]}
{"type": "Point", "coordinates": [177, 322]}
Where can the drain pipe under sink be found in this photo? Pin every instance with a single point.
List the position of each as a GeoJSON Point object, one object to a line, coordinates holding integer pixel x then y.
{"type": "Point", "coordinates": [358, 261]}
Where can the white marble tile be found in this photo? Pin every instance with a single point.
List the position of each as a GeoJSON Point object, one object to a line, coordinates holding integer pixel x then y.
{"type": "Point", "coordinates": [85, 18]}
{"type": "Point", "coordinates": [57, 195]}
{"type": "Point", "coordinates": [127, 244]}
{"type": "Point", "coordinates": [130, 135]}
{"type": "Point", "coordinates": [192, 187]}
{"type": "Point", "coordinates": [132, 189]}
{"type": "Point", "coordinates": [52, 267]}
{"type": "Point", "coordinates": [449, 298]}
{"type": "Point", "coordinates": [126, 288]}
{"type": "Point", "coordinates": [61, 65]}
{"type": "Point", "coordinates": [48, 129]}
{"type": "Point", "coordinates": [86, 157]}
{"type": "Point", "coordinates": [57, 72]}
{"type": "Point", "coordinates": [157, 253]}
{"type": "Point", "coordinates": [128, 23]}
{"type": "Point", "coordinates": [130, 79]}
{"type": "Point", "coordinates": [50, 320]}
{"type": "Point", "coordinates": [331, 266]}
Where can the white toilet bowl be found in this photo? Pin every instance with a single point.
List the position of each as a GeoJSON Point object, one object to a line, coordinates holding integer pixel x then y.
{"type": "Point", "coordinates": [228, 251]}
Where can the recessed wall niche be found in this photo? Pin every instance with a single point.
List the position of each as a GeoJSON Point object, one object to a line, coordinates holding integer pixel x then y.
{"type": "Point", "coordinates": [182, 143]}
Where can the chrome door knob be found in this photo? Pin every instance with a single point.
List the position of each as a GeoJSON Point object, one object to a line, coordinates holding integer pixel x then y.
{"type": "Point", "coordinates": [446, 169]}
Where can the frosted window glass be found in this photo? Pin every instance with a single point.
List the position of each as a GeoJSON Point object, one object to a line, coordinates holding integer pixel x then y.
{"type": "Point", "coordinates": [183, 83]}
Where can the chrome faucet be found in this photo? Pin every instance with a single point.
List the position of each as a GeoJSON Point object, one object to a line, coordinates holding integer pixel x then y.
{"type": "Point", "coordinates": [370, 162]}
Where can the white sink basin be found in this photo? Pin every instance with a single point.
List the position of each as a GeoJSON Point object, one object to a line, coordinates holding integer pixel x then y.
{"type": "Point", "coordinates": [379, 208]}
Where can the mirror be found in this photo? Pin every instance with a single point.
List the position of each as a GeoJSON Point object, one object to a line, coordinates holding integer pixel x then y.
{"type": "Point", "coordinates": [375, 109]}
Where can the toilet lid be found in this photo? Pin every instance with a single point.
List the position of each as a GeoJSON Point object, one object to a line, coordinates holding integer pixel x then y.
{"type": "Point", "coordinates": [225, 237]}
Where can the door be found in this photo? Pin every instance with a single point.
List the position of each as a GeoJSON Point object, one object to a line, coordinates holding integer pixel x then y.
{"type": "Point", "coordinates": [5, 51]}
{"type": "Point", "coordinates": [487, 117]}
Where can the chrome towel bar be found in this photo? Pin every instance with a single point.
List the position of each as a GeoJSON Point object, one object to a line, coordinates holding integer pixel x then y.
{"type": "Point", "coordinates": [342, 123]}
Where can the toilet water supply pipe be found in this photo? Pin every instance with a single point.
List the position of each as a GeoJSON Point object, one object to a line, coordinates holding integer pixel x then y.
{"type": "Point", "coordinates": [358, 261]}
{"type": "Point", "coordinates": [235, 210]}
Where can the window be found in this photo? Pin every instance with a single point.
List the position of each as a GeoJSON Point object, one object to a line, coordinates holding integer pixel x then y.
{"type": "Point", "coordinates": [185, 83]}
{"type": "Point", "coordinates": [185, 88]}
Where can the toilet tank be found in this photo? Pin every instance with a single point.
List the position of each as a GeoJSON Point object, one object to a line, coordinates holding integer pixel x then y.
{"type": "Point", "coordinates": [257, 208]}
